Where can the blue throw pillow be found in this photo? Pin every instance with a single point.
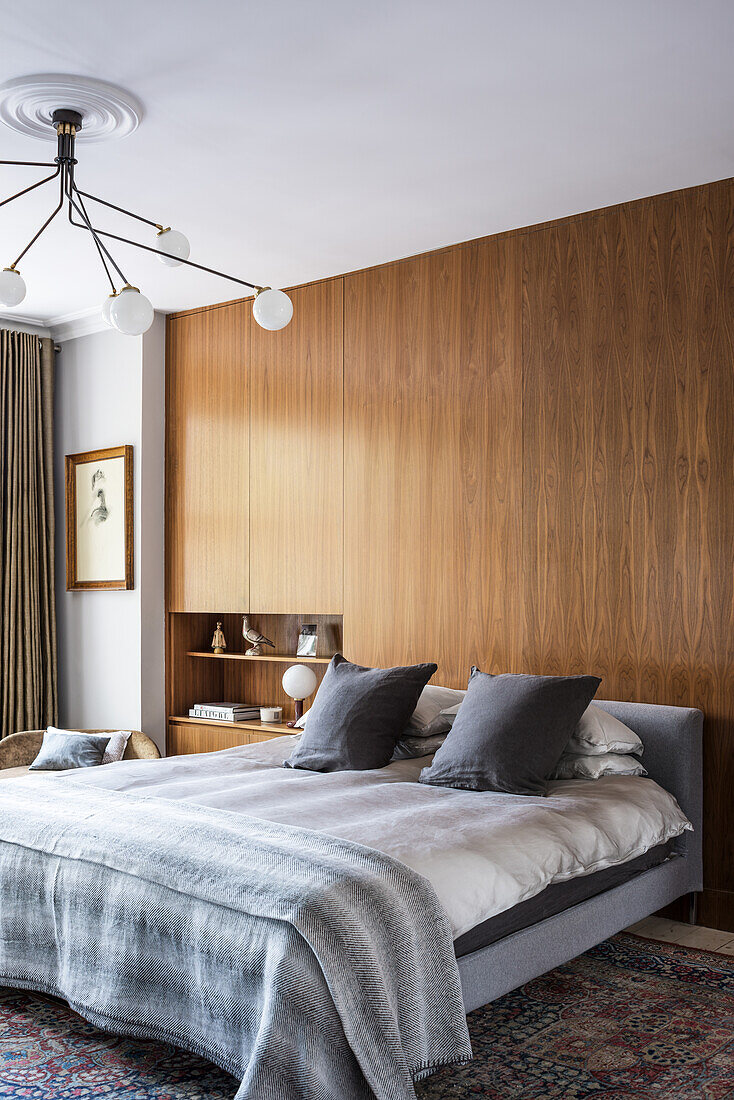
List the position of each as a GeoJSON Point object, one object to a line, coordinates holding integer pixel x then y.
{"type": "Point", "coordinates": [60, 751]}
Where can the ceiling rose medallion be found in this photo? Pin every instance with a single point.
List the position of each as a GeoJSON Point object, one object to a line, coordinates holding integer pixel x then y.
{"type": "Point", "coordinates": [39, 106]}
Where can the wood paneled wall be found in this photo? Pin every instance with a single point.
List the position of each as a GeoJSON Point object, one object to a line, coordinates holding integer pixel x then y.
{"type": "Point", "coordinates": [628, 468]}
{"type": "Point", "coordinates": [432, 460]}
{"type": "Point", "coordinates": [538, 464]}
{"type": "Point", "coordinates": [296, 466]}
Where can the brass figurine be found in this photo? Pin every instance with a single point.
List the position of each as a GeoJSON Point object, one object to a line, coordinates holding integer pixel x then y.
{"type": "Point", "coordinates": [218, 643]}
{"type": "Point", "coordinates": [255, 638]}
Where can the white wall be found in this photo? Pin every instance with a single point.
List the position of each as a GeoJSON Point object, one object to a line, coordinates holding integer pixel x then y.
{"type": "Point", "coordinates": [109, 391]}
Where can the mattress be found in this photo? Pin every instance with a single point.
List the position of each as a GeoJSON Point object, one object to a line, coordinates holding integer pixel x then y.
{"type": "Point", "coordinates": [558, 897]}
{"type": "Point", "coordinates": [483, 852]}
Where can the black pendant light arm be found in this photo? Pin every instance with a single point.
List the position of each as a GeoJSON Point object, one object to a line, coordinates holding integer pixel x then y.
{"type": "Point", "coordinates": [156, 252]}
{"type": "Point", "coordinates": [33, 186]}
{"type": "Point", "coordinates": [87, 225]}
{"type": "Point", "coordinates": [97, 245]}
{"type": "Point", "coordinates": [29, 163]}
{"type": "Point", "coordinates": [112, 206]}
{"type": "Point", "coordinates": [45, 226]}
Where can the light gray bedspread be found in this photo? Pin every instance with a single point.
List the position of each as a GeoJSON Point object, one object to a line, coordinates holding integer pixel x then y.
{"type": "Point", "coordinates": [311, 968]}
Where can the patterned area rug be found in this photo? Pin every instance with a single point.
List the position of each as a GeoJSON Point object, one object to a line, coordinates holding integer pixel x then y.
{"type": "Point", "coordinates": [630, 1019]}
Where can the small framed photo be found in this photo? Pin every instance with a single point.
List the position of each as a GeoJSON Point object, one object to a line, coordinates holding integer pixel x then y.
{"type": "Point", "coordinates": [307, 640]}
{"type": "Point", "coordinates": [99, 520]}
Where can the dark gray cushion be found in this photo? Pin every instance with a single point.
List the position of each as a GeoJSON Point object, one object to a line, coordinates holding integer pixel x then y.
{"type": "Point", "coordinates": [60, 751]}
{"type": "Point", "coordinates": [510, 732]}
{"type": "Point", "coordinates": [358, 715]}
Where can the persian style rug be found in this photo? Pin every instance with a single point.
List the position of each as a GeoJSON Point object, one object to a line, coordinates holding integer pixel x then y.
{"type": "Point", "coordinates": [630, 1019]}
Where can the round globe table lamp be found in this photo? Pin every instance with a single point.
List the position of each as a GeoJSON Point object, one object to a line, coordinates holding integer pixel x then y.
{"type": "Point", "coordinates": [299, 681]}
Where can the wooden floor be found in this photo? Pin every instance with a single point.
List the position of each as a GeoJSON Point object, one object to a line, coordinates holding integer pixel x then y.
{"type": "Point", "coordinates": [689, 935]}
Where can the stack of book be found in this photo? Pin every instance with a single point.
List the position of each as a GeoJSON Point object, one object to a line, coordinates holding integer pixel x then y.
{"type": "Point", "coordinates": [225, 712]}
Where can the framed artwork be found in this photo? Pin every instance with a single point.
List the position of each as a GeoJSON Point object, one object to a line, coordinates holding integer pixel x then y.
{"type": "Point", "coordinates": [99, 520]}
{"type": "Point", "coordinates": [307, 640]}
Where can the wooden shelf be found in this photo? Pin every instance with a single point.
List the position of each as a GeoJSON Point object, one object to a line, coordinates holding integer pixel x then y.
{"type": "Point", "coordinates": [253, 724]}
{"type": "Point", "coordinates": [277, 657]}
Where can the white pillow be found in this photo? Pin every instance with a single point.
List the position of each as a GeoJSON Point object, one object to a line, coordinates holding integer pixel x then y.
{"type": "Point", "coordinates": [594, 767]}
{"type": "Point", "coordinates": [432, 702]}
{"type": "Point", "coordinates": [599, 732]}
{"type": "Point", "coordinates": [408, 748]}
{"type": "Point", "coordinates": [116, 745]}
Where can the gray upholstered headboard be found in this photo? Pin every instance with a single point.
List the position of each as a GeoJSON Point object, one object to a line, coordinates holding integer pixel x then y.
{"type": "Point", "coordinates": [673, 756]}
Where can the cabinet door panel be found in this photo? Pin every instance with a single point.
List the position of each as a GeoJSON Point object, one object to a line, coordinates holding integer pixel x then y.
{"type": "Point", "coordinates": [184, 739]}
{"type": "Point", "coordinates": [207, 460]}
{"type": "Point", "coordinates": [296, 458]}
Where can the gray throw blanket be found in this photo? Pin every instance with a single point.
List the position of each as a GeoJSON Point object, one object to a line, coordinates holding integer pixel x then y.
{"type": "Point", "coordinates": [308, 967]}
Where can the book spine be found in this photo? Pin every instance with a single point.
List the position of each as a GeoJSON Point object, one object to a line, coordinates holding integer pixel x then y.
{"type": "Point", "coordinates": [223, 715]}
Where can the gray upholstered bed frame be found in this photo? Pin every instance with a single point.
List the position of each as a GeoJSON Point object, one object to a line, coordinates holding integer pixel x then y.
{"type": "Point", "coordinates": [672, 740]}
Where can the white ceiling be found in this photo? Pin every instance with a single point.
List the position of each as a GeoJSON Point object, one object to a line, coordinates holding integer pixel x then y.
{"type": "Point", "coordinates": [294, 140]}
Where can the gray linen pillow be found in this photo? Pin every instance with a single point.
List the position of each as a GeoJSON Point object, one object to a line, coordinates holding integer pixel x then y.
{"type": "Point", "coordinates": [358, 715]}
{"type": "Point", "coordinates": [60, 751]}
{"type": "Point", "coordinates": [510, 732]}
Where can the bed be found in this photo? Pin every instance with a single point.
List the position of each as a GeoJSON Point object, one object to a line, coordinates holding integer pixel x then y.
{"type": "Point", "coordinates": [672, 737]}
{"type": "Point", "coordinates": [438, 869]}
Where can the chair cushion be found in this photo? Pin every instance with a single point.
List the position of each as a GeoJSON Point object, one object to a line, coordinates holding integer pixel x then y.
{"type": "Point", "coordinates": [13, 773]}
{"type": "Point", "coordinates": [62, 750]}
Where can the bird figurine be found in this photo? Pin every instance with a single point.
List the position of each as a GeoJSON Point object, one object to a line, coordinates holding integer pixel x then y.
{"type": "Point", "coordinates": [255, 638]}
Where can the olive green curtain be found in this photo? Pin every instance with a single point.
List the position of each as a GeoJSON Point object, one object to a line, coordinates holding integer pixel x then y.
{"type": "Point", "coordinates": [28, 698]}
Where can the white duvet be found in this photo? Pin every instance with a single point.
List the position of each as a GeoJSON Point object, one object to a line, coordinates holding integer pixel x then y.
{"type": "Point", "coordinates": [482, 852]}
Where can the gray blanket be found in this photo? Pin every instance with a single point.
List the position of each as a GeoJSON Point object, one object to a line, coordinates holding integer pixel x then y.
{"type": "Point", "coordinates": [310, 968]}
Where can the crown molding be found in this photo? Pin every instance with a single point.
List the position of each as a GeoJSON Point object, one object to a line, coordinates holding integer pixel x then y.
{"type": "Point", "coordinates": [20, 322]}
{"type": "Point", "coordinates": [66, 326]}
{"type": "Point", "coordinates": [71, 325]}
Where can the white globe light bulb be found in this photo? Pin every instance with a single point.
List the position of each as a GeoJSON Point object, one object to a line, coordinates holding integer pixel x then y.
{"type": "Point", "coordinates": [12, 287]}
{"type": "Point", "coordinates": [131, 312]}
{"type": "Point", "coordinates": [106, 307]}
{"type": "Point", "coordinates": [272, 309]}
{"type": "Point", "coordinates": [172, 247]}
{"type": "Point", "coordinates": [299, 681]}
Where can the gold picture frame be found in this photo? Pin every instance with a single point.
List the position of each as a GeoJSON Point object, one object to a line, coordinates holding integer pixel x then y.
{"type": "Point", "coordinates": [99, 520]}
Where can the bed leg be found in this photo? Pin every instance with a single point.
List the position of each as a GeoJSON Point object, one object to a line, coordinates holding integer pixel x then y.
{"type": "Point", "coordinates": [692, 907]}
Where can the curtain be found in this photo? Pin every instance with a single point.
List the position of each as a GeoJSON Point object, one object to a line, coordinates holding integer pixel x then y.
{"type": "Point", "coordinates": [28, 697]}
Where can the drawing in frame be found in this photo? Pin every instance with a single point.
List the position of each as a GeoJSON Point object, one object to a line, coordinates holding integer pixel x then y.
{"type": "Point", "coordinates": [99, 520]}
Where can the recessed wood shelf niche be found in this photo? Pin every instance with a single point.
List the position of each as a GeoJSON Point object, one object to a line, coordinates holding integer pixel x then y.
{"type": "Point", "coordinates": [198, 675]}
{"type": "Point", "coordinates": [279, 658]}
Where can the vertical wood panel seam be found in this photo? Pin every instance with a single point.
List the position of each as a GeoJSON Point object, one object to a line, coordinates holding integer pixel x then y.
{"type": "Point", "coordinates": [520, 275]}
{"type": "Point", "coordinates": [344, 473]}
{"type": "Point", "coordinates": [249, 468]}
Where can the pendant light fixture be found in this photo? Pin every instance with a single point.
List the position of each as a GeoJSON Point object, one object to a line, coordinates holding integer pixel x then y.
{"type": "Point", "coordinates": [125, 308]}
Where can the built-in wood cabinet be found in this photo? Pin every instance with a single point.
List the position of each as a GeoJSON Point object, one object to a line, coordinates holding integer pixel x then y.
{"type": "Point", "coordinates": [255, 472]}
{"type": "Point", "coordinates": [185, 738]}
